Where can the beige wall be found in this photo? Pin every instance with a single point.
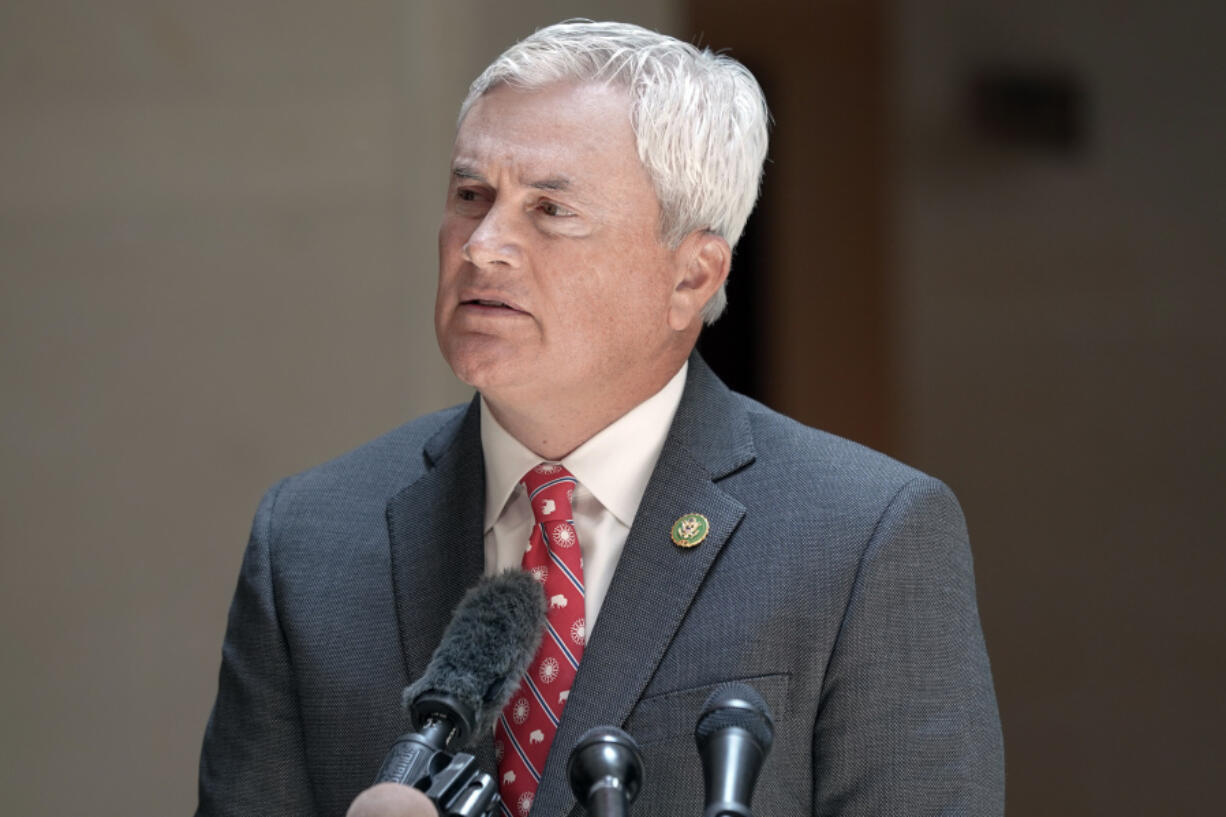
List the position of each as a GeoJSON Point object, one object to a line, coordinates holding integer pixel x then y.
{"type": "Point", "coordinates": [217, 243]}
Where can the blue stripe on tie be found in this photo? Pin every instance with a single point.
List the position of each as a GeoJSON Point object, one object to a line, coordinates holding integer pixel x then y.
{"type": "Point", "coordinates": [550, 484]}
{"type": "Point", "coordinates": [541, 699]}
{"type": "Point", "coordinates": [505, 810]}
{"type": "Point", "coordinates": [506, 729]}
{"type": "Point", "coordinates": [570, 659]}
{"type": "Point", "coordinates": [557, 560]}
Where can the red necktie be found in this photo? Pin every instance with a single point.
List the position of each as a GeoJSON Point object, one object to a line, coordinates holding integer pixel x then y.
{"type": "Point", "coordinates": [526, 728]}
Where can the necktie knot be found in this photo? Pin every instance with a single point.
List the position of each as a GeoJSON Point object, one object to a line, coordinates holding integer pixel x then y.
{"type": "Point", "coordinates": [550, 491]}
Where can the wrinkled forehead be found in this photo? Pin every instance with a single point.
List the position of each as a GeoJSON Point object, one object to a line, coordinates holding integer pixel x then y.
{"type": "Point", "coordinates": [613, 86]}
{"type": "Point", "coordinates": [563, 125]}
{"type": "Point", "coordinates": [571, 141]}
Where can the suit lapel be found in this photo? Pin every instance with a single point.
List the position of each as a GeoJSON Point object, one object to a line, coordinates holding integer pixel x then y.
{"type": "Point", "coordinates": [655, 581]}
{"type": "Point", "coordinates": [435, 530]}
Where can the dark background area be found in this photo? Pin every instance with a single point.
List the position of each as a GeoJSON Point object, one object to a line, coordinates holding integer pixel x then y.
{"type": "Point", "coordinates": [994, 251]}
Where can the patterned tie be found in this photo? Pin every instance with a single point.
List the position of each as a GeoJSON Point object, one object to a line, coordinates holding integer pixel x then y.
{"type": "Point", "coordinates": [526, 728]}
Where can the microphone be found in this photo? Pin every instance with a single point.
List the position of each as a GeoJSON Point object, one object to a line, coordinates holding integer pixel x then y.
{"type": "Point", "coordinates": [734, 735]}
{"type": "Point", "coordinates": [474, 671]}
{"type": "Point", "coordinates": [605, 771]}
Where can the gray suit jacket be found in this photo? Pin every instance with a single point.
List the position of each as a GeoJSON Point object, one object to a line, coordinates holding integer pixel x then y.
{"type": "Point", "coordinates": [834, 580]}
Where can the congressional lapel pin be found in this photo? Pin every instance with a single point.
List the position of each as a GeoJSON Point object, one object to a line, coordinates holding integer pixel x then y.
{"type": "Point", "coordinates": [690, 530]}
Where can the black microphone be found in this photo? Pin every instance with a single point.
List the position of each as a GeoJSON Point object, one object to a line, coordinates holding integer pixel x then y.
{"type": "Point", "coordinates": [474, 671]}
{"type": "Point", "coordinates": [734, 734]}
{"type": "Point", "coordinates": [605, 771]}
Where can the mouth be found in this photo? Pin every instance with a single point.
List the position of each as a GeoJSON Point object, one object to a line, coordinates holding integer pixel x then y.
{"type": "Point", "coordinates": [490, 304]}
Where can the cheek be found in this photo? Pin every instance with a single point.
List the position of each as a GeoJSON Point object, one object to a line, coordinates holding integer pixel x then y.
{"type": "Point", "coordinates": [622, 313]}
{"type": "Point", "coordinates": [452, 235]}
{"type": "Point", "coordinates": [639, 288]}
{"type": "Point", "coordinates": [451, 240]}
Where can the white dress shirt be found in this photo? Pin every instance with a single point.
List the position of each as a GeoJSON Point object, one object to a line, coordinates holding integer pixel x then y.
{"type": "Point", "coordinates": [612, 470]}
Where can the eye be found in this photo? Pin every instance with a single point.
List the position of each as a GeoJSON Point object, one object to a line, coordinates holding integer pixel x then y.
{"type": "Point", "coordinates": [471, 201]}
{"type": "Point", "coordinates": [553, 209]}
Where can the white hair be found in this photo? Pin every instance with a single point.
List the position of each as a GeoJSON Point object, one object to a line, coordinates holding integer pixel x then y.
{"type": "Point", "coordinates": [699, 119]}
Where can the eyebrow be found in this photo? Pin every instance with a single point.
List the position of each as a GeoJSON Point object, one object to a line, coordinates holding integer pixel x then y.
{"type": "Point", "coordinates": [466, 172]}
{"type": "Point", "coordinates": [551, 183]}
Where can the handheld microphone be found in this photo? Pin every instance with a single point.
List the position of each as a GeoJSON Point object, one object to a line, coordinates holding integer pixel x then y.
{"type": "Point", "coordinates": [605, 771]}
{"type": "Point", "coordinates": [734, 734]}
{"type": "Point", "coordinates": [474, 671]}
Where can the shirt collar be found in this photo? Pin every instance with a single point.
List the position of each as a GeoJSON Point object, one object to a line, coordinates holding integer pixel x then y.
{"type": "Point", "coordinates": [614, 465]}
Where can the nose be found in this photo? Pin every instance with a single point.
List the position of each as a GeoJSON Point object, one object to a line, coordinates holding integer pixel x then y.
{"type": "Point", "coordinates": [493, 242]}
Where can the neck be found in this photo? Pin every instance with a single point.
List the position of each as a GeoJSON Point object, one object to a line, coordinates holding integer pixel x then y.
{"type": "Point", "coordinates": [555, 430]}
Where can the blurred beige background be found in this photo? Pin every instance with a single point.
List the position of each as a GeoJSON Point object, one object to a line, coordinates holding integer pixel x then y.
{"type": "Point", "coordinates": [216, 268]}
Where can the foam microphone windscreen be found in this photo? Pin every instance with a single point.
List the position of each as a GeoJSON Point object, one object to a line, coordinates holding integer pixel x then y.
{"type": "Point", "coordinates": [487, 646]}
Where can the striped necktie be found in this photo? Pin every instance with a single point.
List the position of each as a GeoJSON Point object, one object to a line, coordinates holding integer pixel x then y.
{"type": "Point", "coordinates": [525, 730]}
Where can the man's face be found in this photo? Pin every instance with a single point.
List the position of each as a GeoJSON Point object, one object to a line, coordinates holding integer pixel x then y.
{"type": "Point", "coordinates": [553, 283]}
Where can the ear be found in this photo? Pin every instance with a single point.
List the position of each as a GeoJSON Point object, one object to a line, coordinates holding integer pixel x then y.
{"type": "Point", "coordinates": [703, 260]}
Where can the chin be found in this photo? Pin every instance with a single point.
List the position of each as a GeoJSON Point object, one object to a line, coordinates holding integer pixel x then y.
{"type": "Point", "coordinates": [481, 362]}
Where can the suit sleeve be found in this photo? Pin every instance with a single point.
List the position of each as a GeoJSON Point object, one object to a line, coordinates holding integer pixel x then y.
{"type": "Point", "coordinates": [253, 759]}
{"type": "Point", "coordinates": [907, 723]}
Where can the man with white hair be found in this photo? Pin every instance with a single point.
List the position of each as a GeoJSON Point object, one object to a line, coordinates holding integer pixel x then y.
{"type": "Point", "coordinates": [686, 535]}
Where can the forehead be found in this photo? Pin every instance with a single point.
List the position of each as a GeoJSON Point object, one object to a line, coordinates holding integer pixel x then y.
{"type": "Point", "coordinates": [580, 132]}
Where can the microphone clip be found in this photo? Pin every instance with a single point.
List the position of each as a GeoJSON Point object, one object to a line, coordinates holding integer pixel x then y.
{"type": "Point", "coordinates": [455, 784]}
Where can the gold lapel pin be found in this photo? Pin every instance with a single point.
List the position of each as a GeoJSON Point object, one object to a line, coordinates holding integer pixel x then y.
{"type": "Point", "coordinates": [690, 530]}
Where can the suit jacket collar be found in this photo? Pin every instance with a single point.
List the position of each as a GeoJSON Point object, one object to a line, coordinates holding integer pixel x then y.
{"type": "Point", "coordinates": [435, 534]}
{"type": "Point", "coordinates": [435, 526]}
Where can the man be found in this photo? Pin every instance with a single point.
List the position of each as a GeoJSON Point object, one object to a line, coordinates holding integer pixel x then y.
{"type": "Point", "coordinates": [600, 177]}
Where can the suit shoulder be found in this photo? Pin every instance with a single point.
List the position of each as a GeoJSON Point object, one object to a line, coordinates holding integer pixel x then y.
{"type": "Point", "coordinates": [792, 448]}
{"type": "Point", "coordinates": [375, 470]}
{"type": "Point", "coordinates": [810, 486]}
